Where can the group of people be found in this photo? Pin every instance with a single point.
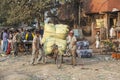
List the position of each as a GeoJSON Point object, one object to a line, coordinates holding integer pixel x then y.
{"type": "Point", "coordinates": [11, 39]}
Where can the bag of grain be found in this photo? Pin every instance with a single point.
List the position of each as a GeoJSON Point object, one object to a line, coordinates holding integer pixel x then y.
{"type": "Point", "coordinates": [62, 44]}
{"type": "Point", "coordinates": [47, 45]}
{"type": "Point", "coordinates": [47, 35]}
{"type": "Point", "coordinates": [61, 31]}
{"type": "Point", "coordinates": [60, 36]}
{"type": "Point", "coordinates": [49, 28]}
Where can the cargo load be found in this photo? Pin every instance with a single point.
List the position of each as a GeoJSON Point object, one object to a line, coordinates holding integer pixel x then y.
{"type": "Point", "coordinates": [50, 28]}
{"type": "Point", "coordinates": [55, 34]}
{"type": "Point", "coordinates": [62, 45]}
{"type": "Point", "coordinates": [59, 31]}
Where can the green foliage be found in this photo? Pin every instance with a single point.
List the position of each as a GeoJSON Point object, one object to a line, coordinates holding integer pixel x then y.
{"type": "Point", "coordinates": [108, 43]}
{"type": "Point", "coordinates": [16, 11]}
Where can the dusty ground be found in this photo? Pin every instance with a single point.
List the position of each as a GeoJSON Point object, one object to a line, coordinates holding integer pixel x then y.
{"type": "Point", "coordinates": [100, 67]}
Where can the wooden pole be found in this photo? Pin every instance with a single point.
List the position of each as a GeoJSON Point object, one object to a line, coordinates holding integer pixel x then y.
{"type": "Point", "coordinates": [118, 22]}
{"type": "Point", "coordinates": [117, 34]}
{"type": "Point", "coordinates": [79, 14]}
{"type": "Point", "coordinates": [108, 25]}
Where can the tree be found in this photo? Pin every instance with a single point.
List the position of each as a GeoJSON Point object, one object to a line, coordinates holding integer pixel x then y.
{"type": "Point", "coordinates": [67, 12]}
{"type": "Point", "coordinates": [4, 7]}
{"type": "Point", "coordinates": [16, 11]}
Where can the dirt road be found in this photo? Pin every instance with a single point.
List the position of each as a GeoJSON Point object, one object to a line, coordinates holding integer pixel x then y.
{"type": "Point", "coordinates": [100, 67]}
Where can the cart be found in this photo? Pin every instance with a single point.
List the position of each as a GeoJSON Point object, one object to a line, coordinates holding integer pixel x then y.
{"type": "Point", "coordinates": [56, 55]}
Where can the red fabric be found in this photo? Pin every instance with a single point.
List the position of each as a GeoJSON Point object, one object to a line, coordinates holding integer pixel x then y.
{"type": "Point", "coordinates": [9, 48]}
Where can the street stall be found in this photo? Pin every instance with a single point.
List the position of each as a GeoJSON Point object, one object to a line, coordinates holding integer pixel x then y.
{"type": "Point", "coordinates": [112, 45]}
{"type": "Point", "coordinates": [116, 42]}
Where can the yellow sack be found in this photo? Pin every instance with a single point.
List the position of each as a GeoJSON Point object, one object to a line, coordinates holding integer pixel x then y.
{"type": "Point", "coordinates": [43, 40]}
{"type": "Point", "coordinates": [47, 46]}
{"type": "Point", "coordinates": [49, 28]}
{"type": "Point", "coordinates": [62, 44]}
{"type": "Point", "coordinates": [62, 29]}
{"type": "Point", "coordinates": [55, 35]}
{"type": "Point", "coordinates": [48, 50]}
{"type": "Point", "coordinates": [47, 35]}
{"type": "Point", "coordinates": [60, 36]}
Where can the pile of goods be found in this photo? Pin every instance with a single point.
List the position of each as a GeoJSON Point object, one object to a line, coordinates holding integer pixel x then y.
{"type": "Point", "coordinates": [116, 50]}
{"type": "Point", "coordinates": [115, 55]}
{"type": "Point", "coordinates": [55, 34]}
{"type": "Point", "coordinates": [83, 50]}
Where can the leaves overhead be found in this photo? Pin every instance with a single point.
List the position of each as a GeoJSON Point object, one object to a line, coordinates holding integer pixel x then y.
{"type": "Point", "coordinates": [15, 11]}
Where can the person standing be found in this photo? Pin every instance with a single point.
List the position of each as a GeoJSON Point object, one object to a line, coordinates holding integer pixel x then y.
{"type": "Point", "coordinates": [15, 42]}
{"type": "Point", "coordinates": [5, 41]}
{"type": "Point", "coordinates": [22, 34]}
{"type": "Point", "coordinates": [97, 37]}
{"type": "Point", "coordinates": [29, 37]}
{"type": "Point", "coordinates": [112, 32]}
{"type": "Point", "coordinates": [71, 41]}
{"type": "Point", "coordinates": [41, 31]}
{"type": "Point", "coordinates": [35, 48]}
{"type": "Point", "coordinates": [9, 43]}
{"type": "Point", "coordinates": [1, 36]}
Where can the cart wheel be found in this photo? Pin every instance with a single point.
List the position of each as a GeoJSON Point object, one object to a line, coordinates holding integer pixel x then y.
{"type": "Point", "coordinates": [59, 61]}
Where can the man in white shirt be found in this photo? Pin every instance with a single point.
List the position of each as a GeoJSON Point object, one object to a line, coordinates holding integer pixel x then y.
{"type": "Point", "coordinates": [112, 32]}
{"type": "Point", "coordinates": [71, 41]}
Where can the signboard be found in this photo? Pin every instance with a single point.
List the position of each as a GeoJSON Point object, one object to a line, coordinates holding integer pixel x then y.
{"type": "Point", "coordinates": [100, 23]}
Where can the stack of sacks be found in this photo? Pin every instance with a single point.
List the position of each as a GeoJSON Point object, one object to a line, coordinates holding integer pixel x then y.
{"type": "Point", "coordinates": [61, 31]}
{"type": "Point", "coordinates": [55, 34]}
{"type": "Point", "coordinates": [49, 31]}
{"type": "Point", "coordinates": [47, 45]}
